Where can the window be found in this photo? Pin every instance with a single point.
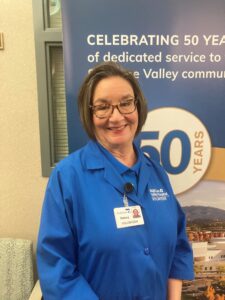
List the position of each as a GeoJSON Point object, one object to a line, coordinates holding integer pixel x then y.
{"type": "Point", "coordinates": [50, 82]}
{"type": "Point", "coordinates": [54, 14]}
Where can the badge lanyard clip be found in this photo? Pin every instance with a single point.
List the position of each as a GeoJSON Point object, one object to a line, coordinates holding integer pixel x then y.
{"type": "Point", "coordinates": [128, 188]}
{"type": "Point", "coordinates": [125, 200]}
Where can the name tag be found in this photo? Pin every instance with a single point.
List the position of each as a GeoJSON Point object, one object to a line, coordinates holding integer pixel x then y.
{"type": "Point", "coordinates": [128, 216]}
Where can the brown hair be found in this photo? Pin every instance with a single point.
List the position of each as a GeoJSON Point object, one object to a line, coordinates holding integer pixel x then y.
{"type": "Point", "coordinates": [101, 71]}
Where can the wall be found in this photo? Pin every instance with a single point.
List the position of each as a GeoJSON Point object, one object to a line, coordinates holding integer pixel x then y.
{"type": "Point", "coordinates": [22, 185]}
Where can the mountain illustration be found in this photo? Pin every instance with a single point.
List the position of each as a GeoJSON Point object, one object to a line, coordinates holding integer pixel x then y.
{"type": "Point", "coordinates": [204, 213]}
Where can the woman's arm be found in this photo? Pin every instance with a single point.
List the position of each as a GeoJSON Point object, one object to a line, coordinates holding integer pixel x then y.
{"type": "Point", "coordinates": [57, 247]}
{"type": "Point", "coordinates": [174, 289]}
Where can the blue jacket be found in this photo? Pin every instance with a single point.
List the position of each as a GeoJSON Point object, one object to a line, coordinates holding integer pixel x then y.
{"type": "Point", "coordinates": [82, 255]}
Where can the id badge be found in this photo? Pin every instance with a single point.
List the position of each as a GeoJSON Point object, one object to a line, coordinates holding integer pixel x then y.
{"type": "Point", "coordinates": [128, 216]}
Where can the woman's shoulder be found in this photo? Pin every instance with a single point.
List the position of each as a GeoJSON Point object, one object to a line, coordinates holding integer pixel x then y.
{"type": "Point", "coordinates": [150, 161]}
{"type": "Point", "coordinates": [157, 169]}
{"type": "Point", "coordinates": [69, 163]}
{"type": "Point", "coordinates": [78, 159]}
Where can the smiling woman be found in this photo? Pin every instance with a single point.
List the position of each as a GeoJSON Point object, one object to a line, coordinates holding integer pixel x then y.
{"type": "Point", "coordinates": [102, 225]}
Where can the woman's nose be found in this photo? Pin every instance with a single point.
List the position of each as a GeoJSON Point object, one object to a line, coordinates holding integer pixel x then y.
{"type": "Point", "coordinates": [116, 113]}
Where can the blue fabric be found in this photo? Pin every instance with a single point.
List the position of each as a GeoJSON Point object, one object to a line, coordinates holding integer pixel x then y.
{"type": "Point", "coordinates": [128, 174]}
{"type": "Point", "coordinates": [81, 254]}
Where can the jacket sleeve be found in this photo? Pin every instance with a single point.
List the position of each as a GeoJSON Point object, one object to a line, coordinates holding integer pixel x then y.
{"type": "Point", "coordinates": [57, 249]}
{"type": "Point", "coordinates": [182, 264]}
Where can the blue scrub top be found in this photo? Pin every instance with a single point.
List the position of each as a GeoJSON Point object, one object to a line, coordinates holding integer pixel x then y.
{"type": "Point", "coordinates": [82, 255]}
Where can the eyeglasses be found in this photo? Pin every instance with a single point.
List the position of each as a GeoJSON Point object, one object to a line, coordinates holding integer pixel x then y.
{"type": "Point", "coordinates": [105, 110]}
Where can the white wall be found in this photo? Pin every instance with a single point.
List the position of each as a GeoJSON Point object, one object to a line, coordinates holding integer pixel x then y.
{"type": "Point", "coordinates": [21, 185]}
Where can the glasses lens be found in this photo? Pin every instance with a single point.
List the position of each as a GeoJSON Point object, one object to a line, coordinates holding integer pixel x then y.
{"type": "Point", "coordinates": [127, 106]}
{"type": "Point", "coordinates": [102, 111]}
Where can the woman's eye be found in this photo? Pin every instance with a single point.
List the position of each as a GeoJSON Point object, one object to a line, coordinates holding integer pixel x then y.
{"type": "Point", "coordinates": [101, 107]}
{"type": "Point", "coordinates": [126, 103]}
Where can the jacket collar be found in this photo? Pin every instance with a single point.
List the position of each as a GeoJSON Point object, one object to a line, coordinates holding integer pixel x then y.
{"type": "Point", "coordinates": [93, 159]}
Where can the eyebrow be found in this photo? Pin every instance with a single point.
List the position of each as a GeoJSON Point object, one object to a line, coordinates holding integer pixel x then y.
{"type": "Point", "coordinates": [103, 100]}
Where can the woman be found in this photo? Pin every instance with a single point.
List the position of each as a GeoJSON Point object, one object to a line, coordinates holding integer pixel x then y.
{"type": "Point", "coordinates": [91, 246]}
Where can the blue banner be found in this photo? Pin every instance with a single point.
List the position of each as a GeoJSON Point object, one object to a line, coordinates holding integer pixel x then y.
{"type": "Point", "coordinates": [175, 49]}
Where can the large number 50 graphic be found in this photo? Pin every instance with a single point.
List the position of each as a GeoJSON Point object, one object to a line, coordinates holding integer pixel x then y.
{"type": "Point", "coordinates": [164, 154]}
{"type": "Point", "coordinates": [180, 142]}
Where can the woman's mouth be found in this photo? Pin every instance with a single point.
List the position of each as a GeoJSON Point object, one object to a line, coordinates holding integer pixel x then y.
{"type": "Point", "coordinates": [117, 128]}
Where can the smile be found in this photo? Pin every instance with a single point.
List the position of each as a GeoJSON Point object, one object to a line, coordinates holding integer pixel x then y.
{"type": "Point", "coordinates": [117, 128]}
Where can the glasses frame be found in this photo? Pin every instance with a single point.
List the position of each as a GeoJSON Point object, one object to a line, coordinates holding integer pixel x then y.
{"type": "Point", "coordinates": [113, 106]}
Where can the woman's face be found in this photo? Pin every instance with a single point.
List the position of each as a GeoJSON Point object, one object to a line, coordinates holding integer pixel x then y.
{"type": "Point", "coordinates": [117, 130]}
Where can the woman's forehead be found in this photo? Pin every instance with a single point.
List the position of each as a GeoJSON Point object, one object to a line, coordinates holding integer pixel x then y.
{"type": "Point", "coordinates": [111, 87]}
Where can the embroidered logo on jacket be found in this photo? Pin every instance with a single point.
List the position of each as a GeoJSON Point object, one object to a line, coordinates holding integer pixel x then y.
{"type": "Point", "coordinates": [159, 194]}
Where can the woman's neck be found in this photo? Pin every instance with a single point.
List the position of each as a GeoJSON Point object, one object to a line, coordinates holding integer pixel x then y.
{"type": "Point", "coordinates": [125, 154]}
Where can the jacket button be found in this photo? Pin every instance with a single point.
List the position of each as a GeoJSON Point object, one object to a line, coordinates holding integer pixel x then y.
{"type": "Point", "coordinates": [146, 251]}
